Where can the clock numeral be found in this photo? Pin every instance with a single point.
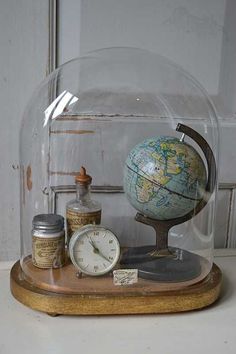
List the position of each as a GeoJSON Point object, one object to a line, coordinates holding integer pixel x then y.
{"type": "Point", "coordinates": [96, 233]}
{"type": "Point", "coordinates": [81, 242]}
{"type": "Point", "coordinates": [80, 259]}
{"type": "Point", "coordinates": [104, 265]}
{"type": "Point", "coordinates": [113, 249]}
{"type": "Point", "coordinates": [110, 241]}
{"type": "Point", "coordinates": [111, 258]}
{"type": "Point", "coordinates": [95, 268]}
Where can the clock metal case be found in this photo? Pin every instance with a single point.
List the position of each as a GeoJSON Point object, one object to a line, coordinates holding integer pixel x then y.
{"type": "Point", "coordinates": [91, 112]}
{"type": "Point", "coordinates": [95, 242]}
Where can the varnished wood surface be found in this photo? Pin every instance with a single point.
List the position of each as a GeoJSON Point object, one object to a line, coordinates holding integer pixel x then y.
{"type": "Point", "coordinates": [65, 281]}
{"type": "Point", "coordinates": [189, 298]}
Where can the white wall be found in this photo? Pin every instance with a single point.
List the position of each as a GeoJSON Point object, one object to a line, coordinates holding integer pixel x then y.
{"type": "Point", "coordinates": [23, 64]}
{"type": "Point", "coordinates": [188, 32]}
{"type": "Point", "coordinates": [197, 34]}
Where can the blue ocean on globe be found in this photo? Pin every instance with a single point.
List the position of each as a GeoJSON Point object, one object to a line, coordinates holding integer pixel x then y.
{"type": "Point", "coordinates": [164, 178]}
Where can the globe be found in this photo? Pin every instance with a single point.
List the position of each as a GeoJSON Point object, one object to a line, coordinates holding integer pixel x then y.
{"type": "Point", "coordinates": [164, 178]}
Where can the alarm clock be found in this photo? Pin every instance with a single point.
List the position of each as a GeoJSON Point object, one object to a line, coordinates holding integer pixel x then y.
{"type": "Point", "coordinates": [94, 250]}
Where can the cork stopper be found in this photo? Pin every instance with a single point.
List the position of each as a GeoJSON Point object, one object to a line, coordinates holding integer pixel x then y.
{"type": "Point", "coordinates": [82, 177]}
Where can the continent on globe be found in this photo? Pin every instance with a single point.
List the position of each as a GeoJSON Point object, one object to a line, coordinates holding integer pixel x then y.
{"type": "Point", "coordinates": [164, 178]}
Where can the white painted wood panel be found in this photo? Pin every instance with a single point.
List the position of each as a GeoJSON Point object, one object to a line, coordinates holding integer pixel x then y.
{"type": "Point", "coordinates": [24, 63]}
{"type": "Point", "coordinates": [222, 218]}
{"type": "Point", "coordinates": [198, 35]}
{"type": "Point", "coordinates": [187, 32]}
{"type": "Point", "coordinates": [231, 240]}
{"type": "Point", "coordinates": [227, 164]}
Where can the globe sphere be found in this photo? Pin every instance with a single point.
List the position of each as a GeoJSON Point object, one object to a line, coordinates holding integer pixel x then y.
{"type": "Point", "coordinates": [164, 178]}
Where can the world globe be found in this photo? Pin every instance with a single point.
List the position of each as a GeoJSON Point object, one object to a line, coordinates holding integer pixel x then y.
{"type": "Point", "coordinates": [164, 178]}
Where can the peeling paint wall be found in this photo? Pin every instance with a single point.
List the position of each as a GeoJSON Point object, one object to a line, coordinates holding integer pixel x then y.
{"type": "Point", "coordinates": [23, 63]}
{"type": "Point", "coordinates": [197, 34]}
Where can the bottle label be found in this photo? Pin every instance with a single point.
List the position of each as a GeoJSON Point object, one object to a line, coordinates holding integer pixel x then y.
{"type": "Point", "coordinates": [48, 252]}
{"type": "Point", "coordinates": [75, 220]}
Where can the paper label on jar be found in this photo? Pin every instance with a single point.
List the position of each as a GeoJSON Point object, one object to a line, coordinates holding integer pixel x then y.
{"type": "Point", "coordinates": [75, 220]}
{"type": "Point", "coordinates": [48, 252]}
{"type": "Point", "coordinates": [125, 276]}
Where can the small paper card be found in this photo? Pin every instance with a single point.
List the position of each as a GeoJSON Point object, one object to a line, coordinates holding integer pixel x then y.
{"type": "Point", "coordinates": [125, 276]}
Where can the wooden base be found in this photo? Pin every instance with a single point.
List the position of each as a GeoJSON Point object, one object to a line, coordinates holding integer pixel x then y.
{"type": "Point", "coordinates": [192, 297]}
{"type": "Point", "coordinates": [64, 280]}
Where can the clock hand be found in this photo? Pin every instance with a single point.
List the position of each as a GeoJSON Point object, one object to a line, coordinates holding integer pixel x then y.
{"type": "Point", "coordinates": [96, 250]}
{"type": "Point", "coordinates": [102, 255]}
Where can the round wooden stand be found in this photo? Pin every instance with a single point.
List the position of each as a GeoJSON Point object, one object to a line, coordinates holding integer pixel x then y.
{"type": "Point", "coordinates": [124, 300]}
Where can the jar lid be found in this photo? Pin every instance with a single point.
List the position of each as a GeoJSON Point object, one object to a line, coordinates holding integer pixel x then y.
{"type": "Point", "coordinates": [49, 222]}
{"type": "Point", "coordinates": [82, 177]}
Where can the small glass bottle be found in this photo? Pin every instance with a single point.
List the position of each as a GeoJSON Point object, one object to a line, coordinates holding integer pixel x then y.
{"type": "Point", "coordinates": [82, 210]}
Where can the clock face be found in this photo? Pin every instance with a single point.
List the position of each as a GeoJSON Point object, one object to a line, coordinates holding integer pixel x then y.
{"type": "Point", "coordinates": [94, 250]}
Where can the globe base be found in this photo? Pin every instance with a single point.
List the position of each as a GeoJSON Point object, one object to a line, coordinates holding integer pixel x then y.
{"type": "Point", "coordinates": [176, 265]}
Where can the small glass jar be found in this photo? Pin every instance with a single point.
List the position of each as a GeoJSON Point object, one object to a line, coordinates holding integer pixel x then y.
{"type": "Point", "coordinates": [48, 241]}
{"type": "Point", "coordinates": [82, 210]}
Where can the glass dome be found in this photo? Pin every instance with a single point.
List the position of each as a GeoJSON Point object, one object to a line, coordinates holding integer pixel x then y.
{"type": "Point", "coordinates": [146, 132]}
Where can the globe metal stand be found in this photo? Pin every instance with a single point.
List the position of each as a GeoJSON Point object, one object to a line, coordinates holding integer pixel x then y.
{"type": "Point", "coordinates": [161, 262]}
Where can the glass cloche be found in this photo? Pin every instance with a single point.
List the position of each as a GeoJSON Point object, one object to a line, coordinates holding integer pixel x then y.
{"type": "Point", "coordinates": [118, 159]}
